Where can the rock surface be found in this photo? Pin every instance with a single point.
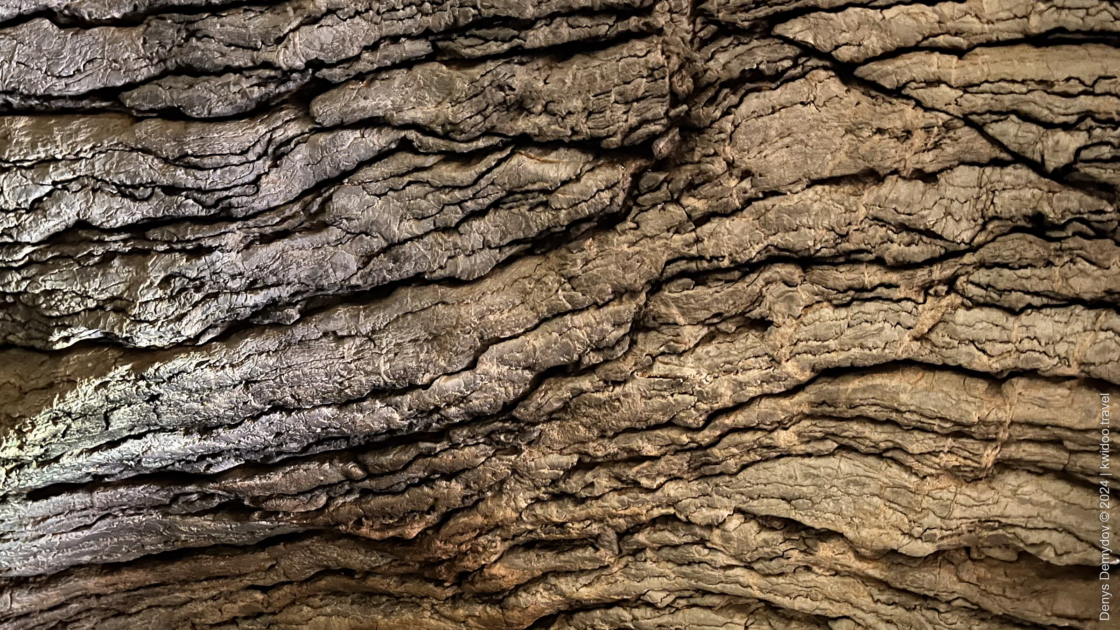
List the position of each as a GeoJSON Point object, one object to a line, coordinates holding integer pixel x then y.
{"type": "Point", "coordinates": [569, 314]}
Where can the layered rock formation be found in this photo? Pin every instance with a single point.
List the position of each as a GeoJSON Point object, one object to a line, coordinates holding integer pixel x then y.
{"type": "Point", "coordinates": [569, 314]}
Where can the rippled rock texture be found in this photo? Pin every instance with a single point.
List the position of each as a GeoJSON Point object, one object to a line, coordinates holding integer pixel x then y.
{"type": "Point", "coordinates": [555, 314]}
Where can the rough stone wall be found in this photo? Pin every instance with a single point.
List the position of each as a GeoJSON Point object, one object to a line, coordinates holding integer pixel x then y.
{"type": "Point", "coordinates": [555, 314]}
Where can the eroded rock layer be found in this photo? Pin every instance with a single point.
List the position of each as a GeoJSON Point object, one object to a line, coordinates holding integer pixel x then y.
{"type": "Point", "coordinates": [569, 314]}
